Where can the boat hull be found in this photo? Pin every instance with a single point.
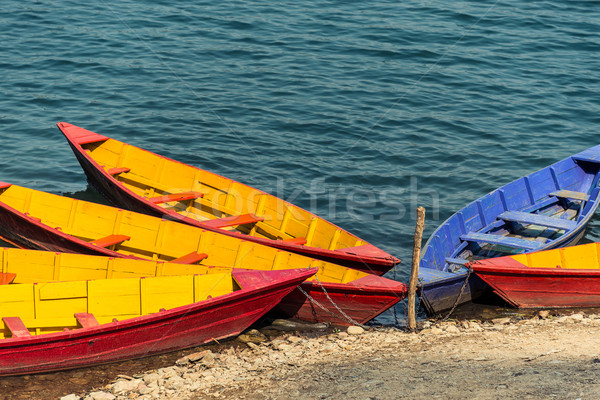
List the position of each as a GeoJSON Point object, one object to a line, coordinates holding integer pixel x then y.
{"type": "Point", "coordinates": [367, 258]}
{"type": "Point", "coordinates": [179, 328]}
{"type": "Point", "coordinates": [547, 209]}
{"type": "Point", "coordinates": [340, 304]}
{"type": "Point", "coordinates": [543, 288]}
{"type": "Point", "coordinates": [439, 296]}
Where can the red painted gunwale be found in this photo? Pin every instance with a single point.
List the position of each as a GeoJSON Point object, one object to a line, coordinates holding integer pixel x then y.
{"type": "Point", "coordinates": [367, 258]}
{"type": "Point", "coordinates": [527, 287]}
{"type": "Point", "coordinates": [360, 300]}
{"type": "Point", "coordinates": [182, 327]}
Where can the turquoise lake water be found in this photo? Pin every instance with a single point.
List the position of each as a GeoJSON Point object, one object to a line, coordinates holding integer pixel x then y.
{"type": "Point", "coordinates": [357, 111]}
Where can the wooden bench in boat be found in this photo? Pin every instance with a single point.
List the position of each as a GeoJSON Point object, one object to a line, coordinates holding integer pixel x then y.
{"type": "Point", "coordinates": [117, 170]}
{"type": "Point", "coordinates": [7, 277]}
{"type": "Point", "coordinates": [569, 194]}
{"type": "Point", "coordinates": [233, 221]}
{"type": "Point", "coordinates": [298, 240]}
{"type": "Point", "coordinates": [16, 326]}
{"type": "Point", "coordinates": [537, 219]}
{"type": "Point", "coordinates": [86, 320]}
{"type": "Point", "coordinates": [110, 240]}
{"type": "Point", "coordinates": [183, 196]}
{"type": "Point", "coordinates": [459, 261]}
{"type": "Point", "coordinates": [190, 258]}
{"type": "Point", "coordinates": [501, 240]}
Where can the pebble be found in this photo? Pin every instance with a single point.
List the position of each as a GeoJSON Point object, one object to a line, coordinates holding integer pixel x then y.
{"type": "Point", "coordinates": [102, 396]}
{"type": "Point", "coordinates": [252, 336]}
{"type": "Point", "coordinates": [193, 358]}
{"type": "Point", "coordinates": [576, 317]}
{"type": "Point", "coordinates": [543, 314]}
{"type": "Point", "coordinates": [70, 397]}
{"type": "Point", "coordinates": [452, 329]}
{"type": "Point", "coordinates": [501, 321]}
{"type": "Point", "coordinates": [355, 330]}
{"type": "Point", "coordinates": [122, 386]}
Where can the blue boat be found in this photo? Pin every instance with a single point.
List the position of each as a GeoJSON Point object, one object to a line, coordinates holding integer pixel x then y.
{"type": "Point", "coordinates": [547, 209]}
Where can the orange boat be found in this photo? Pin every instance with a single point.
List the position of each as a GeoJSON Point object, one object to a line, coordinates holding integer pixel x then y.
{"type": "Point", "coordinates": [141, 181]}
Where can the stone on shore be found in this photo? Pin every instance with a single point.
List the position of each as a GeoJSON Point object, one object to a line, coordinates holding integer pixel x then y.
{"type": "Point", "coordinates": [355, 330]}
{"type": "Point", "coordinates": [70, 397]}
{"type": "Point", "coordinates": [102, 396]}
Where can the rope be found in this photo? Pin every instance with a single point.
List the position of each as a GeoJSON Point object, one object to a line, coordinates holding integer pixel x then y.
{"type": "Point", "coordinates": [396, 323]}
{"type": "Point", "coordinates": [459, 294]}
{"type": "Point", "coordinates": [346, 316]}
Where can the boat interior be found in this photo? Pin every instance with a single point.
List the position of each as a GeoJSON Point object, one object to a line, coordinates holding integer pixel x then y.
{"type": "Point", "coordinates": [585, 256]}
{"type": "Point", "coordinates": [214, 200]}
{"type": "Point", "coordinates": [29, 309]}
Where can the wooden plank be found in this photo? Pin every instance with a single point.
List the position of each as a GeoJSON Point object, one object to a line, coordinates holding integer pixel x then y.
{"type": "Point", "coordinates": [86, 320]}
{"type": "Point", "coordinates": [233, 221]}
{"type": "Point", "coordinates": [568, 194]}
{"type": "Point", "coordinates": [110, 240]}
{"type": "Point", "coordinates": [537, 219]}
{"type": "Point", "coordinates": [298, 240]}
{"type": "Point", "coordinates": [459, 261]}
{"type": "Point", "coordinates": [176, 197]}
{"type": "Point", "coordinates": [16, 326]}
{"type": "Point", "coordinates": [7, 277]}
{"type": "Point", "coordinates": [501, 240]}
{"type": "Point", "coordinates": [117, 170]}
{"type": "Point", "coordinates": [191, 258]}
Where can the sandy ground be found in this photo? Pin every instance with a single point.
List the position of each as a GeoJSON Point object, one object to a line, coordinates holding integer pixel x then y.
{"type": "Point", "coordinates": [538, 357]}
{"type": "Point", "coordinates": [531, 359]}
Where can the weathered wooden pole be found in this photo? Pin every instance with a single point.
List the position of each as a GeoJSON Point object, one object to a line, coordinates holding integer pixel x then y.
{"type": "Point", "coordinates": [414, 273]}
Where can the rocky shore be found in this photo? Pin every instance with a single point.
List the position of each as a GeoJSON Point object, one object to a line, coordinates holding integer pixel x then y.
{"type": "Point", "coordinates": [542, 356]}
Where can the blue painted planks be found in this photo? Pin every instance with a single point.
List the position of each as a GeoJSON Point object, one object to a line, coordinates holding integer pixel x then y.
{"type": "Point", "coordinates": [537, 219]}
{"type": "Point", "coordinates": [569, 194]}
{"type": "Point", "coordinates": [501, 240]}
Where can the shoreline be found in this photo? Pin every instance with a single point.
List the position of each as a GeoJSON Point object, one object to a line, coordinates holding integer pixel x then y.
{"type": "Point", "coordinates": [535, 356]}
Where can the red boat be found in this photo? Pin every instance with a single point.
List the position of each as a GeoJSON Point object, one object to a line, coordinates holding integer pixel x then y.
{"type": "Point", "coordinates": [565, 277]}
{"type": "Point", "coordinates": [42, 221]}
{"type": "Point", "coordinates": [141, 181]}
{"type": "Point", "coordinates": [92, 343]}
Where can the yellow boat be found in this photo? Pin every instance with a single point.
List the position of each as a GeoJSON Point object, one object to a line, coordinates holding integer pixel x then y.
{"type": "Point", "coordinates": [59, 323]}
{"type": "Point", "coordinates": [38, 220]}
{"type": "Point", "coordinates": [145, 182]}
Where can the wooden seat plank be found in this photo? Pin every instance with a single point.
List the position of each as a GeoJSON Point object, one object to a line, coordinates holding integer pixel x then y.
{"type": "Point", "coordinates": [298, 240]}
{"type": "Point", "coordinates": [233, 221]}
{"type": "Point", "coordinates": [176, 197]}
{"type": "Point", "coordinates": [190, 258]}
{"type": "Point", "coordinates": [86, 320]}
{"type": "Point", "coordinates": [459, 261]}
{"type": "Point", "coordinates": [117, 170]}
{"type": "Point", "coordinates": [501, 240]}
{"type": "Point", "coordinates": [7, 277]}
{"type": "Point", "coordinates": [569, 194]}
{"type": "Point", "coordinates": [16, 326]}
{"type": "Point", "coordinates": [110, 240]}
{"type": "Point", "coordinates": [537, 219]}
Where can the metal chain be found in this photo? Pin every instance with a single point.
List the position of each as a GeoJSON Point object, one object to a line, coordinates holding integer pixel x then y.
{"type": "Point", "coordinates": [459, 294]}
{"type": "Point", "coordinates": [346, 316]}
